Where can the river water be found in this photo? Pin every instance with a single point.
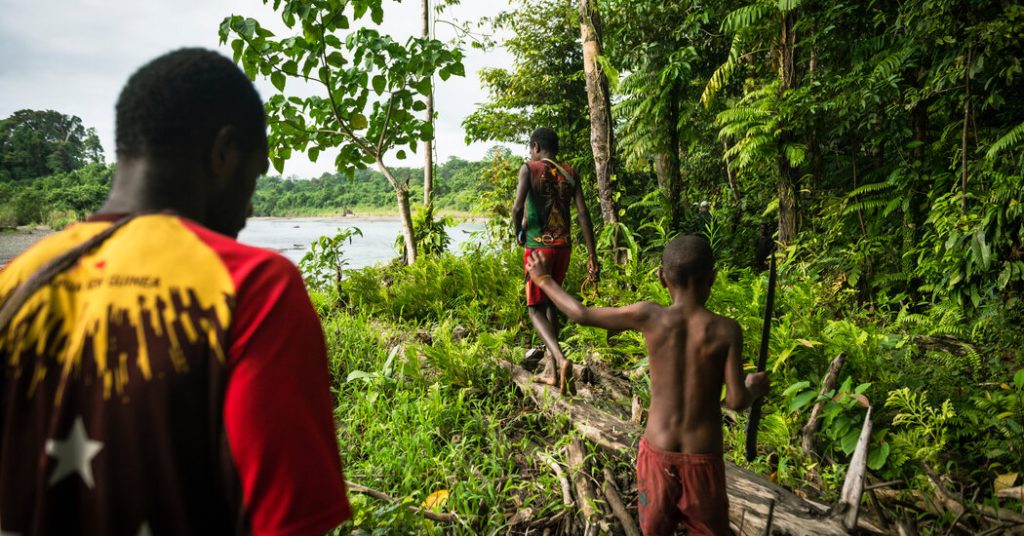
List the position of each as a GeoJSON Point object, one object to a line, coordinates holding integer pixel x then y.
{"type": "Point", "coordinates": [292, 237]}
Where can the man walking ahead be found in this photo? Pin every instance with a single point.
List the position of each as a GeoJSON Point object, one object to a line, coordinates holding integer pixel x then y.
{"type": "Point", "coordinates": [158, 376]}
{"type": "Point", "coordinates": [541, 216]}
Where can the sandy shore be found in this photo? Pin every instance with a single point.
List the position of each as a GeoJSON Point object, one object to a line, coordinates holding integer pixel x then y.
{"type": "Point", "coordinates": [13, 243]}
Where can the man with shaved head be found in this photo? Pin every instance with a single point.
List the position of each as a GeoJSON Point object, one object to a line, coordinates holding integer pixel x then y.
{"type": "Point", "coordinates": [158, 376]}
{"type": "Point", "coordinates": [680, 472]}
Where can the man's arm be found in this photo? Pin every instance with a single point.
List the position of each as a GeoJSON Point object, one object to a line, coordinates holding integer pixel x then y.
{"type": "Point", "coordinates": [633, 316]}
{"type": "Point", "coordinates": [583, 216]}
{"type": "Point", "coordinates": [740, 392]}
{"type": "Point", "coordinates": [519, 207]}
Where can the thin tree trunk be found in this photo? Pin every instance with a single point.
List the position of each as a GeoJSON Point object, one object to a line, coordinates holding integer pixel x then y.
{"type": "Point", "coordinates": [963, 146]}
{"type": "Point", "coordinates": [428, 145]}
{"type": "Point", "coordinates": [666, 165]}
{"type": "Point", "coordinates": [729, 175]}
{"type": "Point", "coordinates": [599, 101]}
{"type": "Point", "coordinates": [402, 193]}
{"type": "Point", "coordinates": [788, 213]}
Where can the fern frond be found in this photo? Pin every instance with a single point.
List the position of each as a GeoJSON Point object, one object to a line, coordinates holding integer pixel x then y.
{"type": "Point", "coordinates": [786, 6]}
{"type": "Point", "coordinates": [1012, 138]}
{"type": "Point", "coordinates": [745, 17]}
{"type": "Point", "coordinates": [869, 189]}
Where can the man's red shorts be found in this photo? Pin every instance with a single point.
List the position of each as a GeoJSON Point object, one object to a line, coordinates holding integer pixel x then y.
{"type": "Point", "coordinates": [558, 265]}
{"type": "Point", "coordinates": [679, 488]}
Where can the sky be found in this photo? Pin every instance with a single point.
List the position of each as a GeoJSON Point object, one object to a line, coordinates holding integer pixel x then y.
{"type": "Point", "coordinates": [73, 56]}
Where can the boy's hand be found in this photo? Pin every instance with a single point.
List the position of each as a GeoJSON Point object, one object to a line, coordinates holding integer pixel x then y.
{"type": "Point", "coordinates": [594, 269]}
{"type": "Point", "coordinates": [757, 383]}
{"type": "Point", "coordinates": [537, 265]}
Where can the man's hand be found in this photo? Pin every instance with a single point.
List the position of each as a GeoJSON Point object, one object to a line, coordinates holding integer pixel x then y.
{"type": "Point", "coordinates": [758, 384]}
{"type": "Point", "coordinates": [537, 265]}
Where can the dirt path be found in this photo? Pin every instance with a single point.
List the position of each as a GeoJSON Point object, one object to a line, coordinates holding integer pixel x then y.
{"type": "Point", "coordinates": [13, 243]}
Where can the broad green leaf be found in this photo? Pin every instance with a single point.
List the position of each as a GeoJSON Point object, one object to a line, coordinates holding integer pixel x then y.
{"type": "Point", "coordinates": [358, 121]}
{"type": "Point", "coordinates": [877, 456]}
{"type": "Point", "coordinates": [802, 400]}
{"type": "Point", "coordinates": [1018, 379]}
{"type": "Point", "coordinates": [379, 83]}
{"type": "Point", "coordinates": [798, 386]}
{"type": "Point", "coordinates": [277, 79]}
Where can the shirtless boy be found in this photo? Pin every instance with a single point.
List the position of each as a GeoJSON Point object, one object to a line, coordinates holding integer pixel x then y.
{"type": "Point", "coordinates": [545, 195]}
{"type": "Point", "coordinates": [680, 472]}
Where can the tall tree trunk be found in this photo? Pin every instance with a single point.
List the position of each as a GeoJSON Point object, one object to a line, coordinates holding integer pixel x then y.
{"type": "Point", "coordinates": [963, 147]}
{"type": "Point", "coordinates": [666, 165]}
{"type": "Point", "coordinates": [788, 210]}
{"type": "Point", "coordinates": [402, 193]}
{"type": "Point", "coordinates": [599, 101]}
{"type": "Point", "coordinates": [428, 145]}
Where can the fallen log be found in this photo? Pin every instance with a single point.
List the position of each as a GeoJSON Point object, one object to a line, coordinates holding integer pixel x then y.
{"type": "Point", "coordinates": [581, 481]}
{"type": "Point", "coordinates": [749, 493]}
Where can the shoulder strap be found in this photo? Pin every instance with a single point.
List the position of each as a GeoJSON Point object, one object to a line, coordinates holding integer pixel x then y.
{"type": "Point", "coordinates": [561, 171]}
{"type": "Point", "coordinates": [48, 271]}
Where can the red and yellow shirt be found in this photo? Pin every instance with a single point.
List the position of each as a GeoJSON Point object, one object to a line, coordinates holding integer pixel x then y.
{"type": "Point", "coordinates": [173, 381]}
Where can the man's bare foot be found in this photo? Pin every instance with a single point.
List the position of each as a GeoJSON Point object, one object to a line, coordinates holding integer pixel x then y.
{"type": "Point", "coordinates": [548, 377]}
{"type": "Point", "coordinates": [565, 383]}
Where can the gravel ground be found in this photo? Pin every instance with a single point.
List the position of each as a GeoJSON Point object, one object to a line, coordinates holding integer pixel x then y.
{"type": "Point", "coordinates": [13, 243]}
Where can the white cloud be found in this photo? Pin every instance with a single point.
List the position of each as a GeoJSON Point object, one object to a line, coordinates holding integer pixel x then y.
{"type": "Point", "coordinates": [73, 56]}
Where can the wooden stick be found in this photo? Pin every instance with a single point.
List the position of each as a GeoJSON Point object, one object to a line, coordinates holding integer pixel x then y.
{"type": "Point", "coordinates": [853, 486]}
{"type": "Point", "coordinates": [626, 521]}
{"type": "Point", "coordinates": [808, 435]}
{"type": "Point", "coordinates": [877, 485]}
{"type": "Point", "coordinates": [380, 495]}
{"type": "Point", "coordinates": [564, 482]}
{"type": "Point", "coordinates": [584, 490]}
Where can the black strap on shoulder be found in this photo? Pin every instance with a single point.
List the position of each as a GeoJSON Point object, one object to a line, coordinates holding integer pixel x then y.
{"type": "Point", "coordinates": [561, 171]}
{"type": "Point", "coordinates": [52, 269]}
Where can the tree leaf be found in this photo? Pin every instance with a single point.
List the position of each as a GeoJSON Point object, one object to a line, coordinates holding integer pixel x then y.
{"type": "Point", "coordinates": [379, 83]}
{"type": "Point", "coordinates": [277, 79]}
{"type": "Point", "coordinates": [358, 121]}
{"type": "Point", "coordinates": [802, 400]}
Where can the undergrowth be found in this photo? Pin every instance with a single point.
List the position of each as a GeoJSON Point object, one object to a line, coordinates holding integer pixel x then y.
{"type": "Point", "coordinates": [426, 408]}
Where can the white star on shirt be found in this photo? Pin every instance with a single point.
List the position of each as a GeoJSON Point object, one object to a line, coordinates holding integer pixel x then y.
{"type": "Point", "coordinates": [74, 454]}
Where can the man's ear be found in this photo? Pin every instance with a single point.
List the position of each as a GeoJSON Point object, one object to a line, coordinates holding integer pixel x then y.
{"type": "Point", "coordinates": [711, 278]}
{"type": "Point", "coordinates": [225, 156]}
{"type": "Point", "coordinates": [661, 277]}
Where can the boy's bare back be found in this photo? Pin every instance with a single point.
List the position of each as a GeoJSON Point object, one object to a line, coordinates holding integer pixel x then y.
{"type": "Point", "coordinates": [689, 351]}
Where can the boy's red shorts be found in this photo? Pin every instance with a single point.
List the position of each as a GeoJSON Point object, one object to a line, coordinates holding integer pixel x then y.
{"type": "Point", "coordinates": [558, 265]}
{"type": "Point", "coordinates": [676, 488]}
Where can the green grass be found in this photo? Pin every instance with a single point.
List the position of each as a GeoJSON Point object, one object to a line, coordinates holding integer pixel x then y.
{"type": "Point", "coordinates": [420, 411]}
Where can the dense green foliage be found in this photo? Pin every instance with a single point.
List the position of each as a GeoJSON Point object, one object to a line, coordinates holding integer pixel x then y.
{"type": "Point", "coordinates": [458, 184]}
{"type": "Point", "coordinates": [55, 200]}
{"type": "Point", "coordinates": [37, 143]}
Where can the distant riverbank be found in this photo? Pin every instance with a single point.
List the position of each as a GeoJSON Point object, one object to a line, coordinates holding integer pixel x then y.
{"type": "Point", "coordinates": [291, 236]}
{"type": "Point", "coordinates": [13, 242]}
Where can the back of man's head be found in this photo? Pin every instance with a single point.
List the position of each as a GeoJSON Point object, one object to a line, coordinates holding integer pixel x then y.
{"type": "Point", "coordinates": [179, 101]}
{"type": "Point", "coordinates": [545, 139]}
{"type": "Point", "coordinates": [687, 259]}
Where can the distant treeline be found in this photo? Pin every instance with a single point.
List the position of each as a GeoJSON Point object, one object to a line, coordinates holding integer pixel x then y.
{"type": "Point", "coordinates": [457, 187]}
{"type": "Point", "coordinates": [52, 173]}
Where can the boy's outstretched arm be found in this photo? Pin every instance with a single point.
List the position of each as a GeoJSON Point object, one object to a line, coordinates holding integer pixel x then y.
{"type": "Point", "coordinates": [633, 316]}
{"type": "Point", "coordinates": [740, 392]}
